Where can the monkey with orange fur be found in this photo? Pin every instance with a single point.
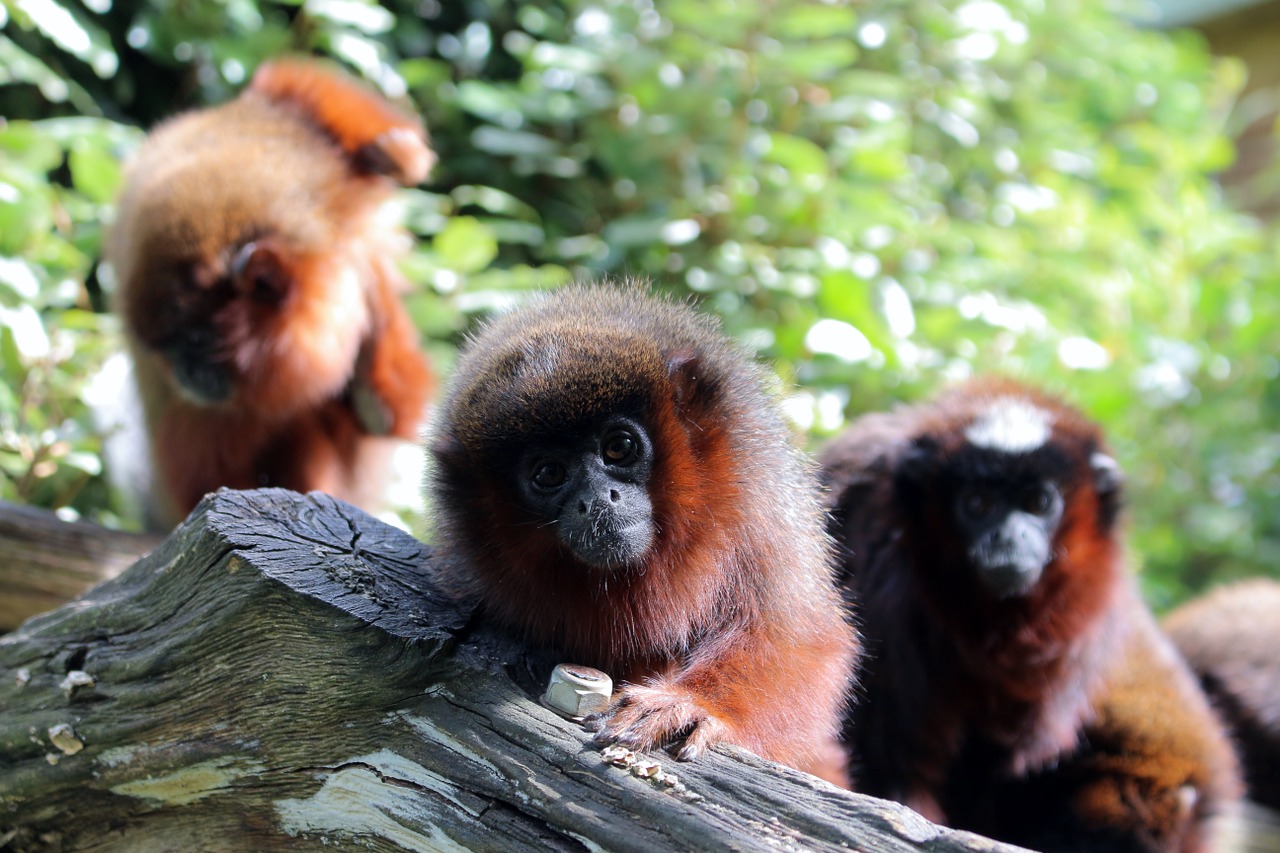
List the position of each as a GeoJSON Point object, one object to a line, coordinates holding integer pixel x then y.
{"type": "Point", "coordinates": [611, 479]}
{"type": "Point", "coordinates": [259, 292]}
{"type": "Point", "coordinates": [1014, 685]}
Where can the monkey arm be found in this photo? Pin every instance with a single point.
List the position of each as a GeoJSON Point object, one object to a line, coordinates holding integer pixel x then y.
{"type": "Point", "coordinates": [1153, 770]}
{"type": "Point", "coordinates": [392, 381]}
{"type": "Point", "coordinates": [374, 134]}
{"type": "Point", "coordinates": [759, 687]}
{"type": "Point", "coordinates": [1160, 765]}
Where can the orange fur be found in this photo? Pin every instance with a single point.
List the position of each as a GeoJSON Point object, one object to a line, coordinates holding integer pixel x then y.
{"type": "Point", "coordinates": [1056, 717]}
{"type": "Point", "coordinates": [374, 135]}
{"type": "Point", "coordinates": [259, 293]}
{"type": "Point", "coordinates": [727, 627]}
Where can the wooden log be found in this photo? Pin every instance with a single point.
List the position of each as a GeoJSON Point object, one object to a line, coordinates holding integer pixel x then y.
{"type": "Point", "coordinates": [45, 561]}
{"type": "Point", "coordinates": [280, 674]}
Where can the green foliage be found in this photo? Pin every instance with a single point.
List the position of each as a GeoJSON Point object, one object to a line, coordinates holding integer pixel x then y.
{"type": "Point", "coordinates": [57, 180]}
{"type": "Point", "coordinates": [877, 197]}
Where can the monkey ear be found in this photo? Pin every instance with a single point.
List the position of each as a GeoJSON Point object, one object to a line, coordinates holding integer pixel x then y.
{"type": "Point", "coordinates": [920, 451]}
{"type": "Point", "coordinates": [1107, 476]}
{"type": "Point", "coordinates": [444, 444]}
{"type": "Point", "coordinates": [683, 368]}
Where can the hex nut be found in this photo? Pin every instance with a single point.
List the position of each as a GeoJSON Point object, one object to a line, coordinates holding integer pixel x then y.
{"type": "Point", "coordinates": [577, 691]}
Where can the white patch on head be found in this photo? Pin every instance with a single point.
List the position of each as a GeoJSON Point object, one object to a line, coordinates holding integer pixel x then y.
{"type": "Point", "coordinates": [1010, 425]}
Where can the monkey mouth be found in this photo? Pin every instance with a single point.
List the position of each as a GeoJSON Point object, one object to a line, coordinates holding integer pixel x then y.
{"type": "Point", "coordinates": [200, 381]}
{"type": "Point", "coordinates": [607, 547]}
{"type": "Point", "coordinates": [202, 377]}
{"type": "Point", "coordinates": [1009, 566]}
{"type": "Point", "coordinates": [1011, 579]}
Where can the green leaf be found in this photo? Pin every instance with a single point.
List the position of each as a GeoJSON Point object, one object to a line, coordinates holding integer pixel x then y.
{"type": "Point", "coordinates": [466, 245]}
{"type": "Point", "coordinates": [801, 157]}
{"type": "Point", "coordinates": [30, 145]}
{"type": "Point", "coordinates": [94, 172]}
{"type": "Point", "coordinates": [813, 20]}
{"type": "Point", "coordinates": [500, 141]}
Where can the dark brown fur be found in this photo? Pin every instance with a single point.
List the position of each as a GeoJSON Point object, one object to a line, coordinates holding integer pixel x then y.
{"type": "Point", "coordinates": [1231, 638]}
{"type": "Point", "coordinates": [1059, 719]}
{"type": "Point", "coordinates": [310, 338]}
{"type": "Point", "coordinates": [729, 626]}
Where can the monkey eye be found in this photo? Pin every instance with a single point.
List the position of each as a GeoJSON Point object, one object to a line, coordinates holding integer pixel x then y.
{"type": "Point", "coordinates": [977, 503]}
{"type": "Point", "coordinates": [620, 448]}
{"type": "Point", "coordinates": [549, 475]}
{"type": "Point", "coordinates": [1040, 501]}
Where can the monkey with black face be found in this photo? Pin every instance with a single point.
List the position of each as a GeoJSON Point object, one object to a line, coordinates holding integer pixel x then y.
{"type": "Point", "coordinates": [259, 291]}
{"type": "Point", "coordinates": [1014, 683]}
{"type": "Point", "coordinates": [611, 478]}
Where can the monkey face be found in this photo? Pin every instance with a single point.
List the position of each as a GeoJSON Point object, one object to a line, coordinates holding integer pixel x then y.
{"type": "Point", "coordinates": [1009, 532]}
{"type": "Point", "coordinates": [1004, 497]}
{"type": "Point", "coordinates": [594, 490]}
{"type": "Point", "coordinates": [197, 315]}
{"type": "Point", "coordinates": [999, 513]}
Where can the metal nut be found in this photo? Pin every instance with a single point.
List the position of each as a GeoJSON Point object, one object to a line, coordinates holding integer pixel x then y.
{"type": "Point", "coordinates": [576, 691]}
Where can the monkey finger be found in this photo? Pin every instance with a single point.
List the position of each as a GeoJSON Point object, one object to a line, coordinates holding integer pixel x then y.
{"type": "Point", "coordinates": [605, 733]}
{"type": "Point", "coordinates": [654, 723]}
{"type": "Point", "coordinates": [401, 154]}
{"type": "Point", "coordinates": [652, 734]}
{"type": "Point", "coordinates": [708, 731]}
{"type": "Point", "coordinates": [372, 412]}
{"type": "Point", "coordinates": [689, 751]}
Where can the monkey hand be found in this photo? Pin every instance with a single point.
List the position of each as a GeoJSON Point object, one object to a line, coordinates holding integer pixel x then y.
{"type": "Point", "coordinates": [1156, 812]}
{"type": "Point", "coordinates": [400, 154]}
{"type": "Point", "coordinates": [659, 714]}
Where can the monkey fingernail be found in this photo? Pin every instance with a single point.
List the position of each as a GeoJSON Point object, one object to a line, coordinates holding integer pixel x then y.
{"type": "Point", "coordinates": [577, 691]}
{"type": "Point", "coordinates": [633, 740]}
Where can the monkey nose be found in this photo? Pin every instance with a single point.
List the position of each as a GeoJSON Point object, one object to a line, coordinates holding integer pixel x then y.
{"type": "Point", "coordinates": [598, 503]}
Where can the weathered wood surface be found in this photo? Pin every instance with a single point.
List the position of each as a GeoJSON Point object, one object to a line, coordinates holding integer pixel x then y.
{"type": "Point", "coordinates": [45, 562]}
{"type": "Point", "coordinates": [280, 675]}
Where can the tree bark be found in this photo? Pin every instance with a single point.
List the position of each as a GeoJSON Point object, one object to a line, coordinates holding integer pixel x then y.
{"type": "Point", "coordinates": [281, 674]}
{"type": "Point", "coordinates": [45, 562]}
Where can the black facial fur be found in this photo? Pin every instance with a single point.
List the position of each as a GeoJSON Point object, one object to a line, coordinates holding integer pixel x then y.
{"type": "Point", "coordinates": [1004, 508]}
{"type": "Point", "coordinates": [594, 489]}
{"type": "Point", "coordinates": [198, 367]}
{"type": "Point", "coordinates": [1009, 532]}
